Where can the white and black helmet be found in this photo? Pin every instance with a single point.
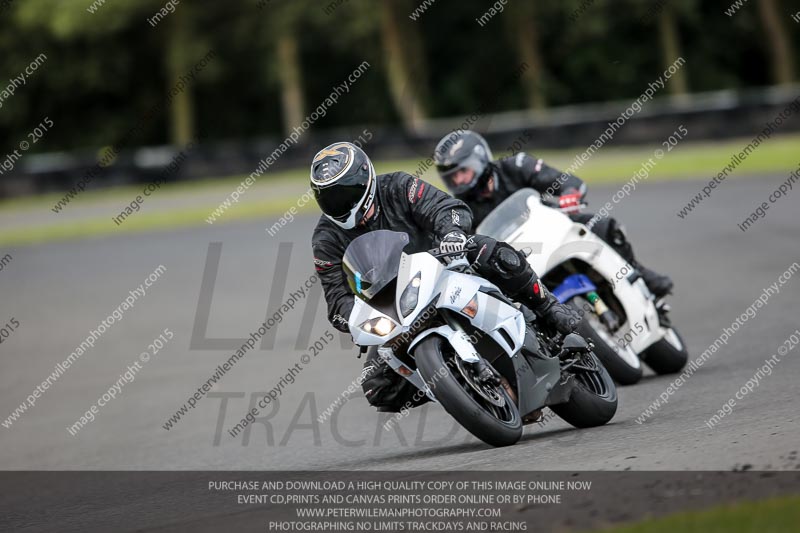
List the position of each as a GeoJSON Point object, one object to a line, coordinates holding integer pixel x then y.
{"type": "Point", "coordinates": [344, 183]}
{"type": "Point", "coordinates": [462, 149]}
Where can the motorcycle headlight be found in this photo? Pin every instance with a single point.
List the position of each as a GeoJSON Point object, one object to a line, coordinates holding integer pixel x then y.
{"type": "Point", "coordinates": [380, 326]}
{"type": "Point", "coordinates": [408, 300]}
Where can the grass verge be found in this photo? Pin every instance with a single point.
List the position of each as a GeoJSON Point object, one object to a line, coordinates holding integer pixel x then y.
{"type": "Point", "coordinates": [777, 515]}
{"type": "Point", "coordinates": [609, 165]}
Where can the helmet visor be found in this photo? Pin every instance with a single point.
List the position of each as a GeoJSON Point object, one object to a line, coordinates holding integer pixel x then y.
{"type": "Point", "coordinates": [340, 201]}
{"type": "Point", "coordinates": [347, 201]}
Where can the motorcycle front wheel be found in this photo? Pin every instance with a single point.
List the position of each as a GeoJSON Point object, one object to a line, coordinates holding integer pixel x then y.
{"type": "Point", "coordinates": [494, 420]}
{"type": "Point", "coordinates": [669, 355]}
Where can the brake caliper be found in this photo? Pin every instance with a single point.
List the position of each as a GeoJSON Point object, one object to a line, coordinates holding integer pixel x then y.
{"type": "Point", "coordinates": [485, 373]}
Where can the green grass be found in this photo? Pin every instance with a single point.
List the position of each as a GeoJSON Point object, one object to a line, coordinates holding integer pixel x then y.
{"type": "Point", "coordinates": [686, 160]}
{"type": "Point", "coordinates": [159, 221]}
{"type": "Point", "coordinates": [125, 193]}
{"type": "Point", "coordinates": [769, 516]}
{"type": "Point", "coordinates": [608, 165]}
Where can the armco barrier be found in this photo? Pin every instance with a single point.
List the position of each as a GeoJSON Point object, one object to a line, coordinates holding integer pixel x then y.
{"type": "Point", "coordinates": [709, 116]}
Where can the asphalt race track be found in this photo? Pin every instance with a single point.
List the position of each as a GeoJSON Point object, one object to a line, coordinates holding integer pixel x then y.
{"type": "Point", "coordinates": [59, 292]}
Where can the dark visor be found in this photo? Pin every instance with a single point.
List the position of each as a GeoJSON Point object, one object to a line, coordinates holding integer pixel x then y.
{"type": "Point", "coordinates": [340, 200]}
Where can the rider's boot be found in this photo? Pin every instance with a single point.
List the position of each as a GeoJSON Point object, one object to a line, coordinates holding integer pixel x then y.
{"type": "Point", "coordinates": [536, 296]}
{"type": "Point", "coordinates": [659, 284]}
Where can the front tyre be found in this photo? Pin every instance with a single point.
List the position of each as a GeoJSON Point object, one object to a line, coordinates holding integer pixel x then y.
{"type": "Point", "coordinates": [669, 355]}
{"type": "Point", "coordinates": [605, 346]}
{"type": "Point", "coordinates": [497, 426]}
{"type": "Point", "coordinates": [594, 398]}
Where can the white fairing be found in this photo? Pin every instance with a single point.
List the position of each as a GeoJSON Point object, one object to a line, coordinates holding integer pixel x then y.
{"type": "Point", "coordinates": [431, 270]}
{"type": "Point", "coordinates": [450, 290]}
{"type": "Point", "coordinates": [554, 238]}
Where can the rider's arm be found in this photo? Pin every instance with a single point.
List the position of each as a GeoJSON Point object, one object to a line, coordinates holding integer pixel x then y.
{"type": "Point", "coordinates": [328, 264]}
{"type": "Point", "coordinates": [536, 174]}
{"type": "Point", "coordinates": [430, 208]}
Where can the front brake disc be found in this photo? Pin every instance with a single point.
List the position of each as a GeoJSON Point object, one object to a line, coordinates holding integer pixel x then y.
{"type": "Point", "coordinates": [490, 394]}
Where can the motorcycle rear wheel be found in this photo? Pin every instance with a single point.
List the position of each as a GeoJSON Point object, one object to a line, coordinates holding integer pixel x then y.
{"type": "Point", "coordinates": [593, 401]}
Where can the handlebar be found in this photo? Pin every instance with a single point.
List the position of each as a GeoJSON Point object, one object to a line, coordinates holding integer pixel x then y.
{"type": "Point", "coordinates": [549, 200]}
{"type": "Point", "coordinates": [460, 265]}
{"type": "Point", "coordinates": [438, 255]}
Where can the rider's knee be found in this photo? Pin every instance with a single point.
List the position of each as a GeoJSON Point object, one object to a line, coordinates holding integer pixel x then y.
{"type": "Point", "coordinates": [616, 233]}
{"type": "Point", "coordinates": [609, 229]}
{"type": "Point", "coordinates": [501, 264]}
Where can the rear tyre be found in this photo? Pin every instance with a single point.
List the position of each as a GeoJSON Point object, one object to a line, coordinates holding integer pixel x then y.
{"type": "Point", "coordinates": [593, 401]}
{"type": "Point", "coordinates": [604, 345]}
{"type": "Point", "coordinates": [497, 426]}
{"type": "Point", "coordinates": [669, 355]}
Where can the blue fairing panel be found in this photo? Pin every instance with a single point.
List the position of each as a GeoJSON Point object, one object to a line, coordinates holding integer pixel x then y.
{"type": "Point", "coordinates": [573, 285]}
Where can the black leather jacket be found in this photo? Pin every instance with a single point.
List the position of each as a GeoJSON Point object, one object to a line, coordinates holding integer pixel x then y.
{"type": "Point", "coordinates": [513, 173]}
{"type": "Point", "coordinates": [405, 204]}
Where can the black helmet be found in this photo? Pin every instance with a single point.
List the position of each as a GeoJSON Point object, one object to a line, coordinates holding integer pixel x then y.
{"type": "Point", "coordinates": [462, 149]}
{"type": "Point", "coordinates": [344, 183]}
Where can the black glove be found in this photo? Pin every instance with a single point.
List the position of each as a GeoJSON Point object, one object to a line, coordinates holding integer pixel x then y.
{"type": "Point", "coordinates": [379, 381]}
{"type": "Point", "coordinates": [387, 390]}
{"type": "Point", "coordinates": [455, 241]}
{"type": "Point", "coordinates": [561, 316]}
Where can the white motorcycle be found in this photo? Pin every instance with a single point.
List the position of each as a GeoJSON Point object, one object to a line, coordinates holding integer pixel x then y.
{"type": "Point", "coordinates": [621, 316]}
{"type": "Point", "coordinates": [457, 339]}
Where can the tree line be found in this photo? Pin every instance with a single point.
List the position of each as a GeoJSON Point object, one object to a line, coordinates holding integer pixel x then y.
{"type": "Point", "coordinates": [275, 60]}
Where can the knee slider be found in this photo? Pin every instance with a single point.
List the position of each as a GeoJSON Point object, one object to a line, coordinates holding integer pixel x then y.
{"type": "Point", "coordinates": [513, 269]}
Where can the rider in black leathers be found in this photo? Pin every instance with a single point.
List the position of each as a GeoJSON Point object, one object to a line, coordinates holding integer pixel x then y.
{"type": "Point", "coordinates": [354, 200]}
{"type": "Point", "coordinates": [464, 162]}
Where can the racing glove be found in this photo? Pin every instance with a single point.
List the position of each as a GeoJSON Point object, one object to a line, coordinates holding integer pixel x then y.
{"type": "Point", "coordinates": [570, 202]}
{"type": "Point", "coordinates": [454, 243]}
{"type": "Point", "coordinates": [562, 317]}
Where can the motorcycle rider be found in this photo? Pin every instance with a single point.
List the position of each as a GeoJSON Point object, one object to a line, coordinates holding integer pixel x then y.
{"type": "Point", "coordinates": [464, 162]}
{"type": "Point", "coordinates": [354, 200]}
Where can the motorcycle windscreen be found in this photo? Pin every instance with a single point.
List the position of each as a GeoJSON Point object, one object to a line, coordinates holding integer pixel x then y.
{"type": "Point", "coordinates": [372, 260]}
{"type": "Point", "coordinates": [507, 217]}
